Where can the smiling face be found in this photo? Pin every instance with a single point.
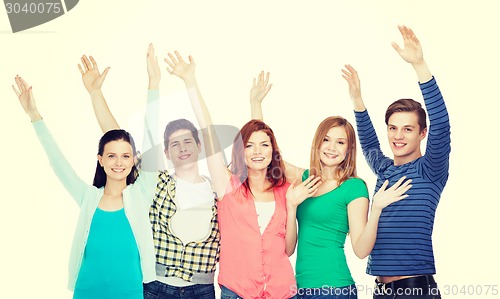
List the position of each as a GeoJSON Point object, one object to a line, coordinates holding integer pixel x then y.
{"type": "Point", "coordinates": [182, 148]}
{"type": "Point", "coordinates": [258, 151]}
{"type": "Point", "coordinates": [256, 155]}
{"type": "Point", "coordinates": [404, 136]}
{"type": "Point", "coordinates": [117, 160]}
{"type": "Point", "coordinates": [333, 149]}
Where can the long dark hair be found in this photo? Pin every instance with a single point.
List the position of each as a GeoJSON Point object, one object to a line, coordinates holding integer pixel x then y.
{"type": "Point", "coordinates": [276, 169]}
{"type": "Point", "coordinates": [114, 135]}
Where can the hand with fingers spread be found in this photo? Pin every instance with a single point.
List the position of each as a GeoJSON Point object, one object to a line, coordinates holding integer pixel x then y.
{"type": "Point", "coordinates": [396, 192]}
{"type": "Point", "coordinates": [180, 68]}
{"type": "Point", "coordinates": [260, 88]}
{"type": "Point", "coordinates": [351, 76]}
{"type": "Point", "coordinates": [413, 54]}
{"type": "Point", "coordinates": [412, 50]}
{"type": "Point", "coordinates": [91, 77]}
{"type": "Point", "coordinates": [295, 195]}
{"type": "Point", "coordinates": [25, 94]}
{"type": "Point", "coordinates": [153, 68]}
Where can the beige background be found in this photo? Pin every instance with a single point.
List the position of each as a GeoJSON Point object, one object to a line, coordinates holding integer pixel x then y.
{"type": "Point", "coordinates": [304, 45]}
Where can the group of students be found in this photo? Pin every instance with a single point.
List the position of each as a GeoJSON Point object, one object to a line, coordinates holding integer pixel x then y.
{"type": "Point", "coordinates": [144, 232]}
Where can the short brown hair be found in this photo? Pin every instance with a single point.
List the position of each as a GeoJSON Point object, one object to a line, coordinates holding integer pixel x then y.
{"type": "Point", "coordinates": [407, 105]}
{"type": "Point", "coordinates": [176, 125]}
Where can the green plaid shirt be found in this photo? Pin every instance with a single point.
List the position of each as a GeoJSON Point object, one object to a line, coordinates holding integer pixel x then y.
{"type": "Point", "coordinates": [180, 260]}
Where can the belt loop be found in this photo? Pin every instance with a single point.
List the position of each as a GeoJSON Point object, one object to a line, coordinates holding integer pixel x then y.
{"type": "Point", "coordinates": [380, 287]}
{"type": "Point", "coordinates": [427, 280]}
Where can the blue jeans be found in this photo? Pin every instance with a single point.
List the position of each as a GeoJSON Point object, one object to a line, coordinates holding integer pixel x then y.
{"type": "Point", "coordinates": [159, 290]}
{"type": "Point", "coordinates": [348, 292]}
{"type": "Point", "coordinates": [417, 287]}
{"type": "Point", "coordinates": [226, 293]}
{"type": "Point", "coordinates": [432, 292]}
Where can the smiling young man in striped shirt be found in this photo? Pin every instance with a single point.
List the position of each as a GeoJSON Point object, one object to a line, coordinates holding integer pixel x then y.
{"type": "Point", "coordinates": [402, 258]}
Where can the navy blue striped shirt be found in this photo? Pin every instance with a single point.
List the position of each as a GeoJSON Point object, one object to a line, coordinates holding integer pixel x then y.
{"type": "Point", "coordinates": [404, 236]}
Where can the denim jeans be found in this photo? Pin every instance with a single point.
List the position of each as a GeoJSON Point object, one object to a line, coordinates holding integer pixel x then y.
{"type": "Point", "coordinates": [159, 290]}
{"type": "Point", "coordinates": [432, 292]}
{"type": "Point", "coordinates": [348, 292]}
{"type": "Point", "coordinates": [423, 287]}
{"type": "Point", "coordinates": [226, 293]}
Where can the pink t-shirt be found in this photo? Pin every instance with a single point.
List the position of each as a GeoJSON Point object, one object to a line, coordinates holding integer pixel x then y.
{"type": "Point", "coordinates": [252, 264]}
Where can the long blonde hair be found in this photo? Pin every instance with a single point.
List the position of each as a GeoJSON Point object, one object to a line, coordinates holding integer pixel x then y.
{"type": "Point", "coordinates": [347, 168]}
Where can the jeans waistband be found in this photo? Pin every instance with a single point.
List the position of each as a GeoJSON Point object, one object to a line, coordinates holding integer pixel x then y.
{"type": "Point", "coordinates": [417, 282]}
{"type": "Point", "coordinates": [160, 289]}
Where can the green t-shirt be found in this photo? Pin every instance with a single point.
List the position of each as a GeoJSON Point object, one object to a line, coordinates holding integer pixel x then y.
{"type": "Point", "coordinates": [323, 227]}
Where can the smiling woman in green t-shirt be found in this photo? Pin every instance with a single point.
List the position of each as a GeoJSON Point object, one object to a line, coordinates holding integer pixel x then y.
{"type": "Point", "coordinates": [323, 220]}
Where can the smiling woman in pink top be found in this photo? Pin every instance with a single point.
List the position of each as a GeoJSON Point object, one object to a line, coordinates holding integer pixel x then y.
{"type": "Point", "coordinates": [255, 219]}
{"type": "Point", "coordinates": [256, 208]}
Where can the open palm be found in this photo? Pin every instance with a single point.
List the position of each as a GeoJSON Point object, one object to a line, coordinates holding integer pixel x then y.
{"type": "Point", "coordinates": [260, 88]}
{"type": "Point", "coordinates": [296, 194]}
{"type": "Point", "coordinates": [351, 76]}
{"type": "Point", "coordinates": [412, 50]}
{"type": "Point", "coordinates": [91, 77]}
{"type": "Point", "coordinates": [396, 192]}
{"type": "Point", "coordinates": [179, 67]}
{"type": "Point", "coordinates": [25, 95]}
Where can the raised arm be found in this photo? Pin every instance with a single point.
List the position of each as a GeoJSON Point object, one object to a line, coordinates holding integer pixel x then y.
{"type": "Point", "coordinates": [154, 73]}
{"type": "Point", "coordinates": [152, 156]}
{"type": "Point", "coordinates": [363, 233]}
{"type": "Point", "coordinates": [24, 93]}
{"type": "Point", "coordinates": [218, 170]}
{"type": "Point", "coordinates": [93, 80]}
{"type": "Point", "coordinates": [260, 88]}
{"type": "Point", "coordinates": [368, 139]}
{"type": "Point", "coordinates": [352, 78]}
{"type": "Point", "coordinates": [70, 180]}
{"type": "Point", "coordinates": [437, 153]}
{"type": "Point", "coordinates": [413, 54]}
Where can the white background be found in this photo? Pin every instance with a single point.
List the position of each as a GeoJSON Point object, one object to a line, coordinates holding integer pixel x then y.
{"type": "Point", "coordinates": [304, 45]}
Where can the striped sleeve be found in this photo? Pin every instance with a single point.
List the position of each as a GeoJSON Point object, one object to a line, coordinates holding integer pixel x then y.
{"type": "Point", "coordinates": [437, 154]}
{"type": "Point", "coordinates": [370, 144]}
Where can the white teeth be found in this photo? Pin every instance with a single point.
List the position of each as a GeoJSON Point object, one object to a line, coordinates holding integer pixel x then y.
{"type": "Point", "coordinates": [399, 144]}
{"type": "Point", "coordinates": [330, 156]}
{"type": "Point", "coordinates": [258, 159]}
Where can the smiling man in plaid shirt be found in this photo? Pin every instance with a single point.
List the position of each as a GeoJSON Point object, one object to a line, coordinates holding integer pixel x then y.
{"type": "Point", "coordinates": [184, 211]}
